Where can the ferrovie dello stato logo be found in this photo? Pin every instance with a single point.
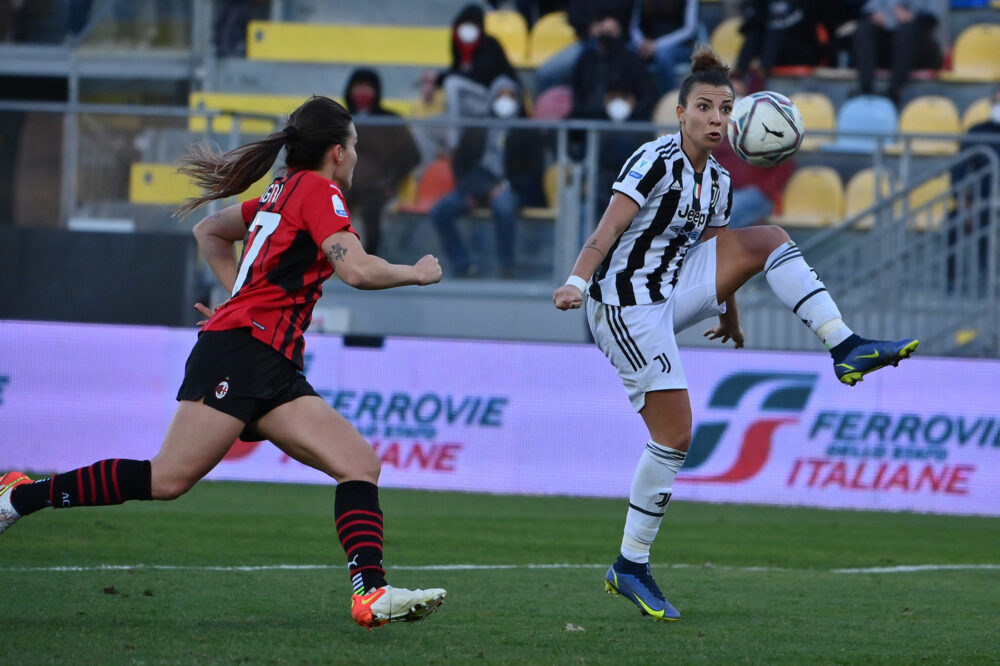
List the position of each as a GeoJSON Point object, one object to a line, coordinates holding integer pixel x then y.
{"type": "Point", "coordinates": [743, 413]}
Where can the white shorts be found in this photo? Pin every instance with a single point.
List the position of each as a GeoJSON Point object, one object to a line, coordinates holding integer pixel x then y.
{"type": "Point", "coordinates": [639, 339]}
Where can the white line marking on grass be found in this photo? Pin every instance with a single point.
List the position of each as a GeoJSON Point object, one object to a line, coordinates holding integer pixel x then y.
{"type": "Point", "coordinates": [487, 567]}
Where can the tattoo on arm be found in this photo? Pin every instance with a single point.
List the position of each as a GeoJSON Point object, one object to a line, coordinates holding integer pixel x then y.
{"type": "Point", "coordinates": [336, 253]}
{"type": "Point", "coordinates": [592, 245]}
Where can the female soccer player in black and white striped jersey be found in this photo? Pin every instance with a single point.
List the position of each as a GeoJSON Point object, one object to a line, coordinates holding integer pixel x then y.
{"type": "Point", "coordinates": [660, 260]}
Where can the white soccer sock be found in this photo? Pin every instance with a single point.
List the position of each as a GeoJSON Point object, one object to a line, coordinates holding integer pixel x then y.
{"type": "Point", "coordinates": [796, 285]}
{"type": "Point", "coordinates": [652, 486]}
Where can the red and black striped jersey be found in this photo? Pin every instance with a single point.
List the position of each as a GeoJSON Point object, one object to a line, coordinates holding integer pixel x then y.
{"type": "Point", "coordinates": [282, 268]}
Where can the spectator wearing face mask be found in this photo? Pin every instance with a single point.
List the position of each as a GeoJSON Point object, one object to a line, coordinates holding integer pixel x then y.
{"type": "Point", "coordinates": [496, 167]}
{"type": "Point", "coordinates": [580, 14]}
{"type": "Point", "coordinates": [476, 57]}
{"type": "Point", "coordinates": [386, 154]}
{"type": "Point", "coordinates": [610, 82]}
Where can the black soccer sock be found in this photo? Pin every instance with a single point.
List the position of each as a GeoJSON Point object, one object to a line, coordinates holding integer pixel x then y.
{"type": "Point", "coordinates": [840, 352]}
{"type": "Point", "coordinates": [359, 528]}
{"type": "Point", "coordinates": [106, 482]}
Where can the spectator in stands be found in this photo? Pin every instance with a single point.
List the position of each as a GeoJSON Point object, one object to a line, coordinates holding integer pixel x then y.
{"type": "Point", "coordinates": [775, 33]}
{"type": "Point", "coordinates": [386, 154]}
{"type": "Point", "coordinates": [610, 82]}
{"type": "Point", "coordinates": [757, 191]}
{"type": "Point", "coordinates": [898, 34]}
{"type": "Point", "coordinates": [477, 59]}
{"type": "Point", "coordinates": [965, 197]}
{"type": "Point", "coordinates": [663, 33]}
{"type": "Point", "coordinates": [493, 167]}
{"type": "Point", "coordinates": [581, 15]}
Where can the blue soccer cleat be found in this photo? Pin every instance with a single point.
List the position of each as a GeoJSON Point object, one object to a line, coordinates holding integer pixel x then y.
{"type": "Point", "coordinates": [872, 355]}
{"type": "Point", "coordinates": [640, 589]}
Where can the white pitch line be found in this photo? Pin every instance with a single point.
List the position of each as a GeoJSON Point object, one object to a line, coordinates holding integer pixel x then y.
{"type": "Point", "coordinates": [489, 567]}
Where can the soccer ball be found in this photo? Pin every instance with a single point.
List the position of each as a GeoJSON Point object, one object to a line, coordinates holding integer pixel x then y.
{"type": "Point", "coordinates": [765, 128]}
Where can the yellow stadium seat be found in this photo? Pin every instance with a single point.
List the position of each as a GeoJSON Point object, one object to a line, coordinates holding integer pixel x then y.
{"type": "Point", "coordinates": [978, 112]}
{"type": "Point", "coordinates": [162, 185]}
{"type": "Point", "coordinates": [727, 40]}
{"type": "Point", "coordinates": [550, 34]}
{"type": "Point", "coordinates": [277, 105]}
{"type": "Point", "coordinates": [934, 194]}
{"type": "Point", "coordinates": [813, 197]}
{"type": "Point", "coordinates": [354, 44]}
{"type": "Point", "coordinates": [930, 114]}
{"type": "Point", "coordinates": [860, 194]}
{"type": "Point", "coordinates": [975, 55]}
{"type": "Point", "coordinates": [817, 114]}
{"type": "Point", "coordinates": [550, 182]}
{"type": "Point", "coordinates": [665, 112]}
{"type": "Point", "coordinates": [511, 30]}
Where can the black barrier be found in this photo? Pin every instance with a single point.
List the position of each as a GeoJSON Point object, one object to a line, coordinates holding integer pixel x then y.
{"type": "Point", "coordinates": [133, 278]}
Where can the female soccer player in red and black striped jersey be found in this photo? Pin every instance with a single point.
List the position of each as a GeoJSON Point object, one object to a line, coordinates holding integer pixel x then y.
{"type": "Point", "coordinates": [661, 260]}
{"type": "Point", "coordinates": [244, 375]}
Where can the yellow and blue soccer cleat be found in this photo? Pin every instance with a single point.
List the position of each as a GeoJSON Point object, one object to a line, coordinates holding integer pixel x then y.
{"type": "Point", "coordinates": [639, 588]}
{"type": "Point", "coordinates": [872, 355]}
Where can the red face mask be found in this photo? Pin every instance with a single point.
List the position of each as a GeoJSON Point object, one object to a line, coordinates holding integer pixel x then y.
{"type": "Point", "coordinates": [363, 99]}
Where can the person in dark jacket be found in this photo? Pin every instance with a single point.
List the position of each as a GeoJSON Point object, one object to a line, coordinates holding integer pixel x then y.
{"type": "Point", "coordinates": [388, 153]}
{"type": "Point", "coordinates": [496, 167]}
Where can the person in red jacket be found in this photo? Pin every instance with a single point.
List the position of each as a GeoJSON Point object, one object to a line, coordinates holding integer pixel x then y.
{"type": "Point", "coordinates": [244, 375]}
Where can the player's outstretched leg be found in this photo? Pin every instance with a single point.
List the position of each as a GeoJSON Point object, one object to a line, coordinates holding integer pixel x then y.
{"type": "Point", "coordinates": [635, 582]}
{"type": "Point", "coordinates": [796, 284]}
{"type": "Point", "coordinates": [394, 604]}
{"type": "Point", "coordinates": [8, 514]}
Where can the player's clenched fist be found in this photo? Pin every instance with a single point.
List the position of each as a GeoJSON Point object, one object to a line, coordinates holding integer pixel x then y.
{"type": "Point", "coordinates": [568, 297]}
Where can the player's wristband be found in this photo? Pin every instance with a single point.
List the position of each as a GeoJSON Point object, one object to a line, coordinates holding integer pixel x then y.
{"type": "Point", "coordinates": [577, 282]}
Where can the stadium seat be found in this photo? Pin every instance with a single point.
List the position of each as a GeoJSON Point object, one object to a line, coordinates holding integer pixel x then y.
{"type": "Point", "coordinates": [553, 103]}
{"type": "Point", "coordinates": [975, 55]}
{"type": "Point", "coordinates": [817, 114]}
{"type": "Point", "coordinates": [665, 112]}
{"type": "Point", "coordinates": [860, 194]}
{"type": "Point", "coordinates": [930, 114]}
{"type": "Point", "coordinates": [813, 197]}
{"type": "Point", "coordinates": [868, 114]}
{"type": "Point", "coordinates": [550, 34]}
{"type": "Point", "coordinates": [511, 30]}
{"type": "Point", "coordinates": [727, 40]}
{"type": "Point", "coordinates": [934, 194]}
{"type": "Point", "coordinates": [550, 183]}
{"type": "Point", "coordinates": [436, 181]}
{"type": "Point", "coordinates": [161, 185]}
{"type": "Point", "coordinates": [978, 112]}
{"type": "Point", "coordinates": [351, 44]}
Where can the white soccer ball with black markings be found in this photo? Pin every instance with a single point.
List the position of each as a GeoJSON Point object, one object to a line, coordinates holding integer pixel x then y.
{"type": "Point", "coordinates": [765, 128]}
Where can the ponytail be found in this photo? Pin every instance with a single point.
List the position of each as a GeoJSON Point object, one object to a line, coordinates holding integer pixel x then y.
{"type": "Point", "coordinates": [312, 129]}
{"type": "Point", "coordinates": [706, 67]}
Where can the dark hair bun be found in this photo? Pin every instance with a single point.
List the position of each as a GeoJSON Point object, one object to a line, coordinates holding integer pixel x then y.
{"type": "Point", "coordinates": [704, 59]}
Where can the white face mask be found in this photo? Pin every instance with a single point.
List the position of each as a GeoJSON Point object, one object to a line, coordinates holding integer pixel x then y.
{"type": "Point", "coordinates": [618, 109]}
{"type": "Point", "coordinates": [467, 33]}
{"type": "Point", "coordinates": [995, 113]}
{"type": "Point", "coordinates": [504, 107]}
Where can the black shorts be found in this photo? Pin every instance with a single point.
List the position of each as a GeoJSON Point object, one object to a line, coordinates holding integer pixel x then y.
{"type": "Point", "coordinates": [239, 375]}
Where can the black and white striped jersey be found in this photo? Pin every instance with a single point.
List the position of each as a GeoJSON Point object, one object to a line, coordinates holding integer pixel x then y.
{"type": "Point", "coordinates": [675, 205]}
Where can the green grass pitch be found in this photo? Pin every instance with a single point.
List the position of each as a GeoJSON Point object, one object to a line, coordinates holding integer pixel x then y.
{"type": "Point", "coordinates": [236, 573]}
